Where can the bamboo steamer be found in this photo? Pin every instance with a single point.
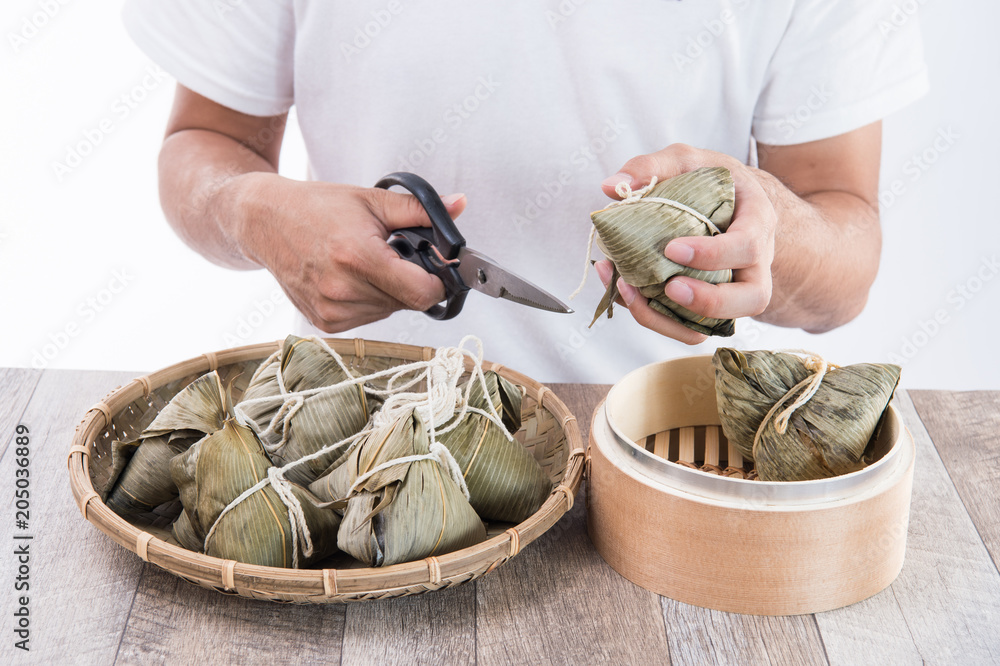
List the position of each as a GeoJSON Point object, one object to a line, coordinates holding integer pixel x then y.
{"type": "Point", "coordinates": [549, 431]}
{"type": "Point", "coordinates": [729, 544]}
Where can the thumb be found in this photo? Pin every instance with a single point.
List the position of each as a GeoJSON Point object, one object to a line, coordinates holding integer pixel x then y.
{"type": "Point", "coordinates": [398, 211]}
{"type": "Point", "coordinates": [667, 163]}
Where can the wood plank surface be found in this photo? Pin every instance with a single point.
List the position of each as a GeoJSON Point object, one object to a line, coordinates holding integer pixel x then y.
{"type": "Point", "coordinates": [948, 593]}
{"type": "Point", "coordinates": [16, 387]}
{"type": "Point", "coordinates": [175, 622]}
{"type": "Point", "coordinates": [81, 583]}
{"type": "Point", "coordinates": [702, 636]}
{"type": "Point", "coordinates": [965, 428]}
{"type": "Point", "coordinates": [434, 628]}
{"type": "Point", "coordinates": [558, 602]}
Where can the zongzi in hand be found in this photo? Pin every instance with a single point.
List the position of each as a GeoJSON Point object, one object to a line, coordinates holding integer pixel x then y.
{"type": "Point", "coordinates": [633, 233]}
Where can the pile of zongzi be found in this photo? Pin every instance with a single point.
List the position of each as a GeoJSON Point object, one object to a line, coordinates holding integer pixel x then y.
{"type": "Point", "coordinates": [314, 459]}
{"type": "Point", "coordinates": [633, 233]}
{"type": "Point", "coordinates": [798, 418]}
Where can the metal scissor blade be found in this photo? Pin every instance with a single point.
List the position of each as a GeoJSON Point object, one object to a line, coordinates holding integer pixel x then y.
{"type": "Point", "coordinates": [481, 273]}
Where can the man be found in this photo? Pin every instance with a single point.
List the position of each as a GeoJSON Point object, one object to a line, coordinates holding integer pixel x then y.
{"type": "Point", "coordinates": [525, 107]}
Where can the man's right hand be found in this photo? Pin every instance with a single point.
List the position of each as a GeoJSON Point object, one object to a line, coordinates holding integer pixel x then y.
{"type": "Point", "coordinates": [326, 245]}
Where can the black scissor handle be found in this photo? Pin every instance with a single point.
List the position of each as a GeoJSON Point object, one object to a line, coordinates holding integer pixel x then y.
{"type": "Point", "coordinates": [435, 249]}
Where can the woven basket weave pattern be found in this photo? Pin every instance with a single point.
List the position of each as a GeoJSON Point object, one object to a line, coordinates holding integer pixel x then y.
{"type": "Point", "coordinates": [549, 432]}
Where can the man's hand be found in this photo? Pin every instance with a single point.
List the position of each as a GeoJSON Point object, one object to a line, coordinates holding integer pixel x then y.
{"type": "Point", "coordinates": [803, 255]}
{"type": "Point", "coordinates": [747, 246]}
{"type": "Point", "coordinates": [324, 243]}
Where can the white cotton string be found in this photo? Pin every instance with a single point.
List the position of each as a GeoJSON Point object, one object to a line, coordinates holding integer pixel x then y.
{"type": "Point", "coordinates": [441, 403]}
{"type": "Point", "coordinates": [628, 197]}
{"type": "Point", "coordinates": [819, 367]}
{"type": "Point", "coordinates": [296, 517]}
{"type": "Point", "coordinates": [586, 264]}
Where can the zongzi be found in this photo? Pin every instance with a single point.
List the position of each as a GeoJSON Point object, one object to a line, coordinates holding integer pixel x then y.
{"type": "Point", "coordinates": [401, 503]}
{"type": "Point", "coordinates": [294, 426]}
{"type": "Point", "coordinates": [633, 233]}
{"type": "Point", "coordinates": [257, 530]}
{"type": "Point", "coordinates": [820, 426]}
{"type": "Point", "coordinates": [144, 482]}
{"type": "Point", "coordinates": [505, 482]}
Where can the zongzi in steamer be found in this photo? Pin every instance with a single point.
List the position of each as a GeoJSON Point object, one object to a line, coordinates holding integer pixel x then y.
{"type": "Point", "coordinates": [820, 425]}
{"type": "Point", "coordinates": [296, 426]}
{"type": "Point", "coordinates": [747, 384]}
{"type": "Point", "coordinates": [216, 471]}
{"type": "Point", "coordinates": [505, 482]}
{"type": "Point", "coordinates": [144, 482]}
{"type": "Point", "coordinates": [407, 510]}
{"type": "Point", "coordinates": [633, 234]}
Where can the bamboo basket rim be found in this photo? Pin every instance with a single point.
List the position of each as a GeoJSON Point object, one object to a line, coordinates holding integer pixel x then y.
{"type": "Point", "coordinates": [316, 585]}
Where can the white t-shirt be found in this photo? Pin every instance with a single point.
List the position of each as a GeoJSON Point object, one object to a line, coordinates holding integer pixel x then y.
{"type": "Point", "coordinates": [526, 106]}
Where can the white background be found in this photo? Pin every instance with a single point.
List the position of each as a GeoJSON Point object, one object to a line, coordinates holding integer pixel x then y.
{"type": "Point", "coordinates": [92, 277]}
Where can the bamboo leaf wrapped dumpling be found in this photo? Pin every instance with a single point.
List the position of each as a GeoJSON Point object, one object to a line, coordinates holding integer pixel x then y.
{"type": "Point", "coordinates": [747, 384]}
{"type": "Point", "coordinates": [505, 482]}
{"type": "Point", "coordinates": [405, 511]}
{"type": "Point", "coordinates": [140, 479]}
{"type": "Point", "coordinates": [820, 427]}
{"type": "Point", "coordinates": [634, 235]}
{"type": "Point", "coordinates": [258, 530]}
{"type": "Point", "coordinates": [294, 427]}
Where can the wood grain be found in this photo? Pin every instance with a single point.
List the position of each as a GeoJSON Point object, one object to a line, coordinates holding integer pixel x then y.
{"type": "Point", "coordinates": [558, 602]}
{"type": "Point", "coordinates": [703, 636]}
{"type": "Point", "coordinates": [424, 629]}
{"type": "Point", "coordinates": [16, 387]}
{"type": "Point", "coordinates": [965, 428]}
{"type": "Point", "coordinates": [82, 584]}
{"type": "Point", "coordinates": [175, 622]}
{"type": "Point", "coordinates": [948, 594]}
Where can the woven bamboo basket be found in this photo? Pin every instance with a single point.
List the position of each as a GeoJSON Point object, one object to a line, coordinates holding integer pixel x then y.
{"type": "Point", "coordinates": [549, 431]}
{"type": "Point", "coordinates": [721, 540]}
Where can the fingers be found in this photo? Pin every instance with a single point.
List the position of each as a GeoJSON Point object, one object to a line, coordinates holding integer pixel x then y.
{"type": "Point", "coordinates": [398, 211]}
{"type": "Point", "coordinates": [638, 306]}
{"type": "Point", "coordinates": [672, 161]}
{"type": "Point", "coordinates": [653, 320]}
{"type": "Point", "coordinates": [746, 297]}
{"type": "Point", "coordinates": [407, 283]}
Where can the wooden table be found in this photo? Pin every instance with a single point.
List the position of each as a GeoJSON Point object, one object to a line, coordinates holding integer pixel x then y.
{"type": "Point", "coordinates": [93, 602]}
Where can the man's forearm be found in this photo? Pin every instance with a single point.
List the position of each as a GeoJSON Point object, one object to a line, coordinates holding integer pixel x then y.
{"type": "Point", "coordinates": [205, 179]}
{"type": "Point", "coordinates": [827, 247]}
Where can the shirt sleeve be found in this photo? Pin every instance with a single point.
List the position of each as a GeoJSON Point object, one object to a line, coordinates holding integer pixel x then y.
{"type": "Point", "coordinates": [238, 53]}
{"type": "Point", "coordinates": [840, 66]}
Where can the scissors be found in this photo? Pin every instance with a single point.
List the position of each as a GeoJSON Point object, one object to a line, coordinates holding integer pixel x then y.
{"type": "Point", "coordinates": [441, 251]}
